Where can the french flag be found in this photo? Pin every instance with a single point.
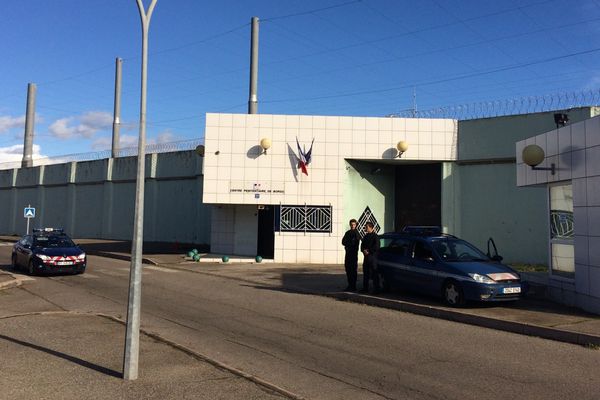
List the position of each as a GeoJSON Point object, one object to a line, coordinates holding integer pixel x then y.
{"type": "Point", "coordinates": [304, 157]}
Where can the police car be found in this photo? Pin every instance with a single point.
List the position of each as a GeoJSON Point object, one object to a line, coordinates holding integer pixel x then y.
{"type": "Point", "coordinates": [48, 250]}
{"type": "Point", "coordinates": [425, 260]}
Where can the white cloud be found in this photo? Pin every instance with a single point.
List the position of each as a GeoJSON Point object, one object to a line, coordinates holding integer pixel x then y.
{"type": "Point", "coordinates": [7, 122]}
{"type": "Point", "coordinates": [85, 125]}
{"type": "Point", "coordinates": [15, 153]}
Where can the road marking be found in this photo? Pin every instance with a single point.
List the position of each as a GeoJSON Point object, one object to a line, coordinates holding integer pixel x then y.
{"type": "Point", "coordinates": [6, 244]}
{"type": "Point", "coordinates": [89, 276]}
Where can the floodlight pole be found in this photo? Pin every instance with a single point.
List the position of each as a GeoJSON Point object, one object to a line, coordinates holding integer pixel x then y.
{"type": "Point", "coordinates": [253, 97]}
{"type": "Point", "coordinates": [117, 109]}
{"type": "Point", "coordinates": [132, 335]}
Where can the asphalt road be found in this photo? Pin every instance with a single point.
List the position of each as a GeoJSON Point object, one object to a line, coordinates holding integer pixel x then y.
{"type": "Point", "coordinates": [318, 347]}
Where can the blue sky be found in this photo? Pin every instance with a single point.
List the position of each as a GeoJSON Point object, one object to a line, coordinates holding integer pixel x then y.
{"type": "Point", "coordinates": [325, 57]}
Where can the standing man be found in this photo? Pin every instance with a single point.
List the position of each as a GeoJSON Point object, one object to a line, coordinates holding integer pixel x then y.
{"type": "Point", "coordinates": [370, 246]}
{"type": "Point", "coordinates": [350, 242]}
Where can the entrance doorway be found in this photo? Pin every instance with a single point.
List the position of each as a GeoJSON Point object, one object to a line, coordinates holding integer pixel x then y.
{"type": "Point", "coordinates": [418, 195]}
{"type": "Point", "coordinates": [265, 243]}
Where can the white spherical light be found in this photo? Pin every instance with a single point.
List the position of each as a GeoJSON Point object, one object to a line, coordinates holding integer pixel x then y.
{"type": "Point", "coordinates": [533, 155]}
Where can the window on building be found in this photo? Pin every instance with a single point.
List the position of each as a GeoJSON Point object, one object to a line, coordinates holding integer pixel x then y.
{"type": "Point", "coordinates": [562, 249]}
{"type": "Point", "coordinates": [303, 218]}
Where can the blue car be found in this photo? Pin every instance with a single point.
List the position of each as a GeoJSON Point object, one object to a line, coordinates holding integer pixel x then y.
{"type": "Point", "coordinates": [424, 260]}
{"type": "Point", "coordinates": [48, 250]}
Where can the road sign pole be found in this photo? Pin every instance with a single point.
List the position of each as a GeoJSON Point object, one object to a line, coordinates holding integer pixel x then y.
{"type": "Point", "coordinates": [132, 335]}
{"type": "Point", "coordinates": [27, 226]}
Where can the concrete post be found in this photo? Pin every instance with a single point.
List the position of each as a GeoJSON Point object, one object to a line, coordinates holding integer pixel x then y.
{"type": "Point", "coordinates": [253, 99]}
{"type": "Point", "coordinates": [29, 123]}
{"type": "Point", "coordinates": [117, 109]}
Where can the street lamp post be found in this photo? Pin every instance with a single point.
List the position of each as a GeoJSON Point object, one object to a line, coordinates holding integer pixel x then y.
{"type": "Point", "coordinates": [132, 336]}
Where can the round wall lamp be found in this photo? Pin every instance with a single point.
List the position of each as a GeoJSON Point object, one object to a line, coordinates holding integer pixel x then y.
{"type": "Point", "coordinates": [533, 155]}
{"type": "Point", "coordinates": [402, 146]}
{"type": "Point", "coordinates": [200, 149]}
{"type": "Point", "coordinates": [265, 144]}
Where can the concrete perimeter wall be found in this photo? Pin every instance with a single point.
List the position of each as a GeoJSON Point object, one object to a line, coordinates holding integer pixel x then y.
{"type": "Point", "coordinates": [480, 197]}
{"type": "Point", "coordinates": [95, 199]}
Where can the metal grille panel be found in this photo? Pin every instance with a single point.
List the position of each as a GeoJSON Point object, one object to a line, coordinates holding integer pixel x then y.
{"type": "Point", "coordinates": [305, 219]}
{"type": "Point", "coordinates": [367, 216]}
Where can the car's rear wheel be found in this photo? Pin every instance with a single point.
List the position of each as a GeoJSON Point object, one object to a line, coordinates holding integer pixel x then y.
{"type": "Point", "coordinates": [385, 283]}
{"type": "Point", "coordinates": [30, 268]}
{"type": "Point", "coordinates": [453, 294]}
{"type": "Point", "coordinates": [13, 262]}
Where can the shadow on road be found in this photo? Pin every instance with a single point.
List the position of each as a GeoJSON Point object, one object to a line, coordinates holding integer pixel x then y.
{"type": "Point", "coordinates": [76, 360]}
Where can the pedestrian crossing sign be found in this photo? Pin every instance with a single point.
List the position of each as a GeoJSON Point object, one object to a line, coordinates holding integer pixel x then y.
{"type": "Point", "coordinates": [29, 212]}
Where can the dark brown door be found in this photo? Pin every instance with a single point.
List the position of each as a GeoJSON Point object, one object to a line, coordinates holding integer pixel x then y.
{"type": "Point", "coordinates": [418, 195]}
{"type": "Point", "coordinates": [265, 246]}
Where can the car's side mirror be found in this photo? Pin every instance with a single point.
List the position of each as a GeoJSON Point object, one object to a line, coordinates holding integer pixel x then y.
{"type": "Point", "coordinates": [497, 258]}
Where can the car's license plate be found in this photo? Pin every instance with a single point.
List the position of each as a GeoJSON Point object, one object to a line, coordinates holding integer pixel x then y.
{"type": "Point", "coordinates": [64, 263]}
{"type": "Point", "coordinates": [511, 290]}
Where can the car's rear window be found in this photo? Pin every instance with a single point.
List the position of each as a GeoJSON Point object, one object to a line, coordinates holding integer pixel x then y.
{"type": "Point", "coordinates": [53, 241]}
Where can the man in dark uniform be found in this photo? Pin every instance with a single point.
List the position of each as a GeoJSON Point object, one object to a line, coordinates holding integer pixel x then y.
{"type": "Point", "coordinates": [370, 246]}
{"type": "Point", "coordinates": [350, 242]}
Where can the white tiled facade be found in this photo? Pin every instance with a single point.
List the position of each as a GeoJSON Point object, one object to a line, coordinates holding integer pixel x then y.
{"type": "Point", "coordinates": [238, 178]}
{"type": "Point", "coordinates": [575, 151]}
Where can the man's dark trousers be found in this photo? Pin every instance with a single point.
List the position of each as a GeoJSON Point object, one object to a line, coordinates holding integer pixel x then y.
{"type": "Point", "coordinates": [351, 265]}
{"type": "Point", "coordinates": [369, 272]}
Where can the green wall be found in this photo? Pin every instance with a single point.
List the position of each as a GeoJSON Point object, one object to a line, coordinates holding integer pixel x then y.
{"type": "Point", "coordinates": [369, 184]}
{"type": "Point", "coordinates": [480, 197]}
{"type": "Point", "coordinates": [483, 201]}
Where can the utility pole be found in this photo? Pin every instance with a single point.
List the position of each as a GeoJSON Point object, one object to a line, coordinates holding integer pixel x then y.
{"type": "Point", "coordinates": [415, 112]}
{"type": "Point", "coordinates": [29, 123]}
{"type": "Point", "coordinates": [253, 98]}
{"type": "Point", "coordinates": [117, 110]}
{"type": "Point", "coordinates": [132, 335]}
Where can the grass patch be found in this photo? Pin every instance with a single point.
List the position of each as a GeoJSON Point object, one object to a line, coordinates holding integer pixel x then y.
{"type": "Point", "coordinates": [530, 267]}
{"type": "Point", "coordinates": [592, 346]}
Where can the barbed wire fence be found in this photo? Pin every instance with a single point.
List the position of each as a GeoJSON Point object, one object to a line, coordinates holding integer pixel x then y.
{"type": "Point", "coordinates": [515, 106]}
{"type": "Point", "coordinates": [181, 145]}
{"type": "Point", "coordinates": [485, 109]}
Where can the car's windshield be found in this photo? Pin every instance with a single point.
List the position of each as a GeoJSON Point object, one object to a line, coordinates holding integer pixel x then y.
{"type": "Point", "coordinates": [53, 241]}
{"type": "Point", "coordinates": [452, 249]}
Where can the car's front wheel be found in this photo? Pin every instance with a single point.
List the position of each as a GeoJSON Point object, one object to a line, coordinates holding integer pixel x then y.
{"type": "Point", "coordinates": [453, 294]}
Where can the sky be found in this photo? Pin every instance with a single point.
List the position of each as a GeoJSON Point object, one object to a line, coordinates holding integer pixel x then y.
{"type": "Point", "coordinates": [317, 57]}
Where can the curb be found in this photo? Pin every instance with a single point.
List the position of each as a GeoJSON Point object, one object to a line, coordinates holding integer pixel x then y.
{"type": "Point", "coordinates": [521, 328]}
{"type": "Point", "coordinates": [15, 282]}
{"type": "Point", "coordinates": [124, 257]}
